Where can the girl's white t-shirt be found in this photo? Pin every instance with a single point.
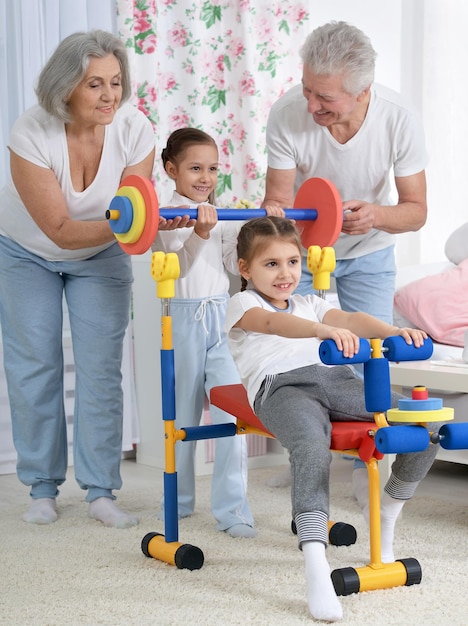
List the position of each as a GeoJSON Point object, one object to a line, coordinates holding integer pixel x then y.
{"type": "Point", "coordinates": [205, 264]}
{"type": "Point", "coordinates": [258, 354]}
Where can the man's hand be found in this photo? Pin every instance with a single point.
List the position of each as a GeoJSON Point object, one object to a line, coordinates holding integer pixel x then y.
{"type": "Point", "coordinates": [358, 217]}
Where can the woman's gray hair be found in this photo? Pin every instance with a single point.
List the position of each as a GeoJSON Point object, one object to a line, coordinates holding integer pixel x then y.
{"type": "Point", "coordinates": [340, 48]}
{"type": "Point", "coordinates": [68, 65]}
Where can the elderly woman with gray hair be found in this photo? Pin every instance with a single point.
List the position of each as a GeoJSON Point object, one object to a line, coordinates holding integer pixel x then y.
{"type": "Point", "coordinates": [68, 155]}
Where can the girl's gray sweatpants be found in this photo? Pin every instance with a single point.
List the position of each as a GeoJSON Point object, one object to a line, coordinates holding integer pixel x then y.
{"type": "Point", "coordinates": [298, 407]}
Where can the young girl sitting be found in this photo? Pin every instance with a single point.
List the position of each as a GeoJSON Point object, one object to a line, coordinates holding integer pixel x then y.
{"type": "Point", "coordinates": [274, 338]}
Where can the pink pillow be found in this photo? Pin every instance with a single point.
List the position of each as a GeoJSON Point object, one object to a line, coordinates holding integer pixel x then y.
{"type": "Point", "coordinates": [438, 304]}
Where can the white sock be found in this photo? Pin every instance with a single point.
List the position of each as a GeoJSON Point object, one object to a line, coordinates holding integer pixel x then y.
{"type": "Point", "coordinates": [41, 511]}
{"type": "Point", "coordinates": [360, 482]}
{"type": "Point", "coordinates": [390, 509]}
{"type": "Point", "coordinates": [321, 596]}
{"type": "Point", "coordinates": [106, 511]}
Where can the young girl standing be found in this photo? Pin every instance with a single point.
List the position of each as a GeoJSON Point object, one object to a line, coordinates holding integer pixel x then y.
{"type": "Point", "coordinates": [207, 252]}
{"type": "Point", "coordinates": [274, 338]}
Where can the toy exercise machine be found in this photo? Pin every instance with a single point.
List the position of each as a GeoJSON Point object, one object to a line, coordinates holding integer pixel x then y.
{"type": "Point", "coordinates": [134, 217]}
{"type": "Point", "coordinates": [134, 213]}
{"type": "Point", "coordinates": [365, 440]}
{"type": "Point", "coordinates": [165, 271]}
{"type": "Point", "coordinates": [370, 441]}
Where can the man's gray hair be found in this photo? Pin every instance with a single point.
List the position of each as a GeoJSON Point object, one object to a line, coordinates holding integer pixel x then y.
{"type": "Point", "coordinates": [67, 66]}
{"type": "Point", "coordinates": [338, 48]}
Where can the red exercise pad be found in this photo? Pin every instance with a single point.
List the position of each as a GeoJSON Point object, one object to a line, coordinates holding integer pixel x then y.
{"type": "Point", "coordinates": [345, 435]}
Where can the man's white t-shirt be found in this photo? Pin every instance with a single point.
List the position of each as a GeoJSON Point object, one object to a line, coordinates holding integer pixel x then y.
{"type": "Point", "coordinates": [258, 355]}
{"type": "Point", "coordinates": [40, 138]}
{"type": "Point", "coordinates": [390, 143]}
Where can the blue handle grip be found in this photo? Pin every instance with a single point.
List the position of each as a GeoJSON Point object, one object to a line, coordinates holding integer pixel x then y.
{"type": "Point", "coordinates": [238, 214]}
{"type": "Point", "coordinates": [330, 355]}
{"type": "Point", "coordinates": [398, 350]}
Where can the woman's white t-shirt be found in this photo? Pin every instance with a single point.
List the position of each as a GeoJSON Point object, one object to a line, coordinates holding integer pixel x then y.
{"type": "Point", "coordinates": [40, 138]}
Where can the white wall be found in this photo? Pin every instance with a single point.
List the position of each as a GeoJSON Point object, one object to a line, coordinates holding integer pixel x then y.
{"type": "Point", "coordinates": [147, 347]}
{"type": "Point", "coordinates": [381, 21]}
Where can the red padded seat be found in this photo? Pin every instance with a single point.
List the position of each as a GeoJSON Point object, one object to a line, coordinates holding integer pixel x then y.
{"type": "Point", "coordinates": [345, 435]}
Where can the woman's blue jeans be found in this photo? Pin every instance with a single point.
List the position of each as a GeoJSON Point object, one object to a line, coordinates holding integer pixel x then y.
{"type": "Point", "coordinates": [97, 292]}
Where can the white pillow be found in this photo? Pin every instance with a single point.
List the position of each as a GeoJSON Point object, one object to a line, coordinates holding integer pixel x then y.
{"type": "Point", "coordinates": [456, 247]}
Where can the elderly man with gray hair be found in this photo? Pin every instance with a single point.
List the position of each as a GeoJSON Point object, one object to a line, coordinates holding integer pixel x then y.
{"type": "Point", "coordinates": [338, 124]}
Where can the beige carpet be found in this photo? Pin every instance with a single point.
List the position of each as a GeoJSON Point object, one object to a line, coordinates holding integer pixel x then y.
{"type": "Point", "coordinates": [78, 572]}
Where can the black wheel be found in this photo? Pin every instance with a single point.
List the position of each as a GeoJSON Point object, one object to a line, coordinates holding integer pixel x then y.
{"type": "Point", "coordinates": [413, 571]}
{"type": "Point", "coordinates": [345, 581]}
{"type": "Point", "coordinates": [145, 542]}
{"type": "Point", "coordinates": [342, 534]}
{"type": "Point", "coordinates": [189, 557]}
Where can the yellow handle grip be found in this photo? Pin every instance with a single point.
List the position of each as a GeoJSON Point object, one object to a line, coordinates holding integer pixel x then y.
{"type": "Point", "coordinates": [165, 270]}
{"type": "Point", "coordinates": [321, 262]}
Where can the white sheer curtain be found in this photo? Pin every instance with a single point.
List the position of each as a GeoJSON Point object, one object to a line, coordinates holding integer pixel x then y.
{"type": "Point", "coordinates": [444, 107]}
{"type": "Point", "coordinates": [29, 31]}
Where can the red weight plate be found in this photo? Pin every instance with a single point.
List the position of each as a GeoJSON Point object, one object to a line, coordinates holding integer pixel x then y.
{"type": "Point", "coordinates": [145, 187]}
{"type": "Point", "coordinates": [322, 195]}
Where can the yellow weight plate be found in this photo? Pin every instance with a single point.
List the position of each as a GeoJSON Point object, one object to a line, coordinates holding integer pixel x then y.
{"type": "Point", "coordinates": [139, 215]}
{"type": "Point", "coordinates": [439, 415]}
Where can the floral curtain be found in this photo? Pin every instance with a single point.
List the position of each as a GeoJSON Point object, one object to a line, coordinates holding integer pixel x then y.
{"type": "Point", "coordinates": [216, 65]}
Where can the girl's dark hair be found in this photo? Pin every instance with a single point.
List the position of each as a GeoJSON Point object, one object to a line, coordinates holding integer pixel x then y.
{"type": "Point", "coordinates": [180, 140]}
{"type": "Point", "coordinates": [255, 235]}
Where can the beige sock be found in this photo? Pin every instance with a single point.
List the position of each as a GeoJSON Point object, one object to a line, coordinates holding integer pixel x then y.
{"type": "Point", "coordinates": [41, 511]}
{"type": "Point", "coordinates": [106, 511]}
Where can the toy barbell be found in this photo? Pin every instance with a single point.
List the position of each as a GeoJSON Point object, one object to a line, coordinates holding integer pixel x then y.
{"type": "Point", "coordinates": [134, 213]}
